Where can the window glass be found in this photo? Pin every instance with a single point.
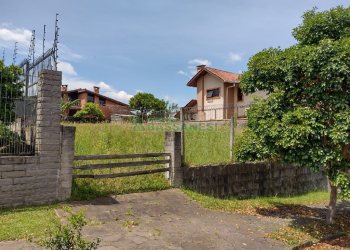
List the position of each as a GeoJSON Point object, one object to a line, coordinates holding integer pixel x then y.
{"type": "Point", "coordinates": [240, 95]}
{"type": "Point", "coordinates": [102, 101]}
{"type": "Point", "coordinates": [90, 98]}
{"type": "Point", "coordinates": [213, 93]}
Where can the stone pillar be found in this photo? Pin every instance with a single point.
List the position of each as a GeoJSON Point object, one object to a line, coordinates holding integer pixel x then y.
{"type": "Point", "coordinates": [48, 128]}
{"type": "Point", "coordinates": [48, 131]}
{"type": "Point", "coordinates": [67, 159]}
{"type": "Point", "coordinates": [173, 146]}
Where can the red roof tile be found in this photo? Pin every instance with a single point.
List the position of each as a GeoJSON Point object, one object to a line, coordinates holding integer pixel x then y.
{"type": "Point", "coordinates": [223, 75]}
{"type": "Point", "coordinates": [191, 103]}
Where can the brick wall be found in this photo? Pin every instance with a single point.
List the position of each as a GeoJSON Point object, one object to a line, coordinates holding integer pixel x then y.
{"type": "Point", "coordinates": [252, 179]}
{"type": "Point", "coordinates": [46, 176]}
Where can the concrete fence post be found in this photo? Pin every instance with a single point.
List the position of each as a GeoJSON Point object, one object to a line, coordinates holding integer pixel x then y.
{"type": "Point", "coordinates": [173, 146]}
{"type": "Point", "coordinates": [67, 159]}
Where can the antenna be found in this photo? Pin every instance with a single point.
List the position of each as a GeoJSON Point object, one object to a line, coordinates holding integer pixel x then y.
{"type": "Point", "coordinates": [33, 47]}
{"type": "Point", "coordinates": [44, 34]}
{"type": "Point", "coordinates": [44, 40]}
{"type": "Point", "coordinates": [14, 54]}
{"type": "Point", "coordinates": [55, 43]}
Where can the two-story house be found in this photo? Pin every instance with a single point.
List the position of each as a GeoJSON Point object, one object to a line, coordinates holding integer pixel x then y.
{"type": "Point", "coordinates": [81, 97]}
{"type": "Point", "coordinates": [219, 96]}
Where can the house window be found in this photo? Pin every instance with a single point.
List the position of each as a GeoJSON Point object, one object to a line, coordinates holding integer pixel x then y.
{"type": "Point", "coordinates": [212, 93]}
{"type": "Point", "coordinates": [239, 95]}
{"type": "Point", "coordinates": [102, 101]}
{"type": "Point", "coordinates": [90, 98]}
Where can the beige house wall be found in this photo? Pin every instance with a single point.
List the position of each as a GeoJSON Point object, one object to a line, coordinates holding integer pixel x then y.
{"type": "Point", "coordinates": [247, 100]}
{"type": "Point", "coordinates": [221, 108]}
{"type": "Point", "coordinates": [205, 83]}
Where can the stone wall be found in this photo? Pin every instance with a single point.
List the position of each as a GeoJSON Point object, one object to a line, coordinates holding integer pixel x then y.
{"type": "Point", "coordinates": [252, 179]}
{"type": "Point", "coordinates": [46, 176]}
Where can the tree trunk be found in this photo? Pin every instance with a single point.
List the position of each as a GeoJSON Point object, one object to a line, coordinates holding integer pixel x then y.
{"type": "Point", "coordinates": [332, 204]}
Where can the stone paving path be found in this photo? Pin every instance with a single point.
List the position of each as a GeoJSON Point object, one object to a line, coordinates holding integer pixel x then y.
{"type": "Point", "coordinates": [169, 220]}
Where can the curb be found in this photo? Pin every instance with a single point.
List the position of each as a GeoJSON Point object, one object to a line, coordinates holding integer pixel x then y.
{"type": "Point", "coordinates": [326, 238]}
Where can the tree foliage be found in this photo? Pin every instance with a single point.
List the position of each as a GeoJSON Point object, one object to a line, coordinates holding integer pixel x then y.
{"type": "Point", "coordinates": [146, 103]}
{"type": "Point", "coordinates": [66, 106]}
{"type": "Point", "coordinates": [91, 111]}
{"type": "Point", "coordinates": [306, 118]}
{"type": "Point", "coordinates": [10, 89]}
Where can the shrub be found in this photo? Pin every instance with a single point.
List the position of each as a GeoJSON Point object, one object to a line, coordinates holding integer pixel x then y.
{"type": "Point", "coordinates": [69, 237]}
{"type": "Point", "coordinates": [91, 112]}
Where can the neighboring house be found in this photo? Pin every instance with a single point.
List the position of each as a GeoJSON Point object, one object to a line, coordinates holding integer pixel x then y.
{"type": "Point", "coordinates": [108, 105]}
{"type": "Point", "coordinates": [218, 95]}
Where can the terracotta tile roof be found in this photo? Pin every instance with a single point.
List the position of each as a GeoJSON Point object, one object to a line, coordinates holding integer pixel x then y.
{"type": "Point", "coordinates": [191, 103]}
{"type": "Point", "coordinates": [223, 75]}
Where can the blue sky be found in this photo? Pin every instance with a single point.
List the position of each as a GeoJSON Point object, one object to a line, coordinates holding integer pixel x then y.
{"type": "Point", "coordinates": [126, 46]}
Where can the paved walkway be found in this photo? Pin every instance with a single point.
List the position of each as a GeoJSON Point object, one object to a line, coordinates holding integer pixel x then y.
{"type": "Point", "coordinates": [169, 220]}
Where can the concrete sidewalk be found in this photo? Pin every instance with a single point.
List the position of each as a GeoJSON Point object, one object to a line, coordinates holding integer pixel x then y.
{"type": "Point", "coordinates": [168, 220]}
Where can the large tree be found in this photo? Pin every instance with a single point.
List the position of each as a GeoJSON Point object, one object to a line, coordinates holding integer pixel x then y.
{"type": "Point", "coordinates": [306, 118]}
{"type": "Point", "coordinates": [145, 103]}
{"type": "Point", "coordinates": [10, 89]}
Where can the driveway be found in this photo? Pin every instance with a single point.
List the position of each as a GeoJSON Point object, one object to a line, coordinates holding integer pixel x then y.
{"type": "Point", "coordinates": [170, 220]}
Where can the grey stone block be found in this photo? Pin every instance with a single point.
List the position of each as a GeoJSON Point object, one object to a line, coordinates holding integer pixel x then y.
{"type": "Point", "coordinates": [23, 180]}
{"type": "Point", "coordinates": [13, 174]}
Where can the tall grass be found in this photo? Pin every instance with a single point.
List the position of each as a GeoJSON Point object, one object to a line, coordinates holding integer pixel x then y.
{"type": "Point", "coordinates": [202, 146]}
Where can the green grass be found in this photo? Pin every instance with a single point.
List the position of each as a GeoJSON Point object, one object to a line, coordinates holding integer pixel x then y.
{"type": "Point", "coordinates": [202, 146]}
{"type": "Point", "coordinates": [27, 223]}
{"type": "Point", "coordinates": [86, 189]}
{"type": "Point", "coordinates": [306, 222]}
{"type": "Point", "coordinates": [250, 206]}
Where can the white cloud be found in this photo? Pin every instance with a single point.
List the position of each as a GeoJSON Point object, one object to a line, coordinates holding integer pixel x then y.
{"type": "Point", "coordinates": [22, 36]}
{"type": "Point", "coordinates": [119, 95]}
{"type": "Point", "coordinates": [108, 90]}
{"type": "Point", "coordinates": [181, 72]}
{"type": "Point", "coordinates": [199, 61]}
{"type": "Point", "coordinates": [66, 68]}
{"type": "Point", "coordinates": [235, 57]}
{"type": "Point", "coordinates": [8, 38]}
{"type": "Point", "coordinates": [191, 66]}
{"type": "Point", "coordinates": [75, 82]}
{"type": "Point", "coordinates": [9, 35]}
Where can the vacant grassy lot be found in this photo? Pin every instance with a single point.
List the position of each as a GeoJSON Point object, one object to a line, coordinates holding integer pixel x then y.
{"type": "Point", "coordinates": [202, 146]}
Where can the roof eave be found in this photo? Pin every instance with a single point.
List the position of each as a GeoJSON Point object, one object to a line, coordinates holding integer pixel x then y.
{"type": "Point", "coordinates": [193, 82]}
